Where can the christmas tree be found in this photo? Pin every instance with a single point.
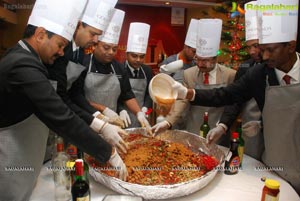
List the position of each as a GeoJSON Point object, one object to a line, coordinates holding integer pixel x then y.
{"type": "Point", "coordinates": [233, 48]}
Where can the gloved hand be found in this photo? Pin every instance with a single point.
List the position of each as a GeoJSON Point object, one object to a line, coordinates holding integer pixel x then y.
{"type": "Point", "coordinates": [114, 120]}
{"type": "Point", "coordinates": [117, 162]}
{"type": "Point", "coordinates": [110, 133]}
{"type": "Point", "coordinates": [125, 118]}
{"type": "Point", "coordinates": [251, 128]}
{"type": "Point", "coordinates": [181, 90]}
{"type": "Point", "coordinates": [109, 113]}
{"type": "Point", "coordinates": [144, 122]}
{"type": "Point", "coordinates": [102, 117]}
{"type": "Point", "coordinates": [160, 127]}
{"type": "Point", "coordinates": [144, 109]}
{"type": "Point", "coordinates": [214, 134]}
{"type": "Point", "coordinates": [113, 117]}
{"type": "Point", "coordinates": [172, 67]}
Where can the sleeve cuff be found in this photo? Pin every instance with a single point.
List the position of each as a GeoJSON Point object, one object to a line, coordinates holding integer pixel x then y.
{"type": "Point", "coordinates": [223, 126]}
{"type": "Point", "coordinates": [194, 94]}
{"type": "Point", "coordinates": [96, 114]}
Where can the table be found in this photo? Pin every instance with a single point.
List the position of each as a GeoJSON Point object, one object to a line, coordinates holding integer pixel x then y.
{"type": "Point", "coordinates": [246, 186]}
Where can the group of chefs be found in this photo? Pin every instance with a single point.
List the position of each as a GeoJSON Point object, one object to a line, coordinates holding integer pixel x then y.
{"type": "Point", "coordinates": [47, 82]}
{"type": "Point", "coordinates": [273, 82]}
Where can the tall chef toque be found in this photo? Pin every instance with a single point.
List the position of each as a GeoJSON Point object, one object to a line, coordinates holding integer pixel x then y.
{"type": "Point", "coordinates": [277, 20]}
{"type": "Point", "coordinates": [251, 21]}
{"type": "Point", "coordinates": [191, 36]}
{"type": "Point", "coordinates": [138, 37]}
{"type": "Point", "coordinates": [57, 16]}
{"type": "Point", "coordinates": [98, 13]}
{"type": "Point", "coordinates": [208, 37]}
{"type": "Point", "coordinates": [112, 33]}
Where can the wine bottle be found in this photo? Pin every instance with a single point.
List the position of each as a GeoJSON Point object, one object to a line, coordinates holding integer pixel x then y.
{"type": "Point", "coordinates": [80, 188]}
{"type": "Point", "coordinates": [204, 129]}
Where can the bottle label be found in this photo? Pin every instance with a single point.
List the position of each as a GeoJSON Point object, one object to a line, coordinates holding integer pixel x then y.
{"type": "Point", "coordinates": [72, 151]}
{"type": "Point", "coordinates": [86, 198]}
{"type": "Point", "coordinates": [271, 198]}
{"type": "Point", "coordinates": [202, 134]}
{"type": "Point", "coordinates": [234, 164]}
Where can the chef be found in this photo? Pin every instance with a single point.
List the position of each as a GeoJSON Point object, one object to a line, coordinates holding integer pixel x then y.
{"type": "Point", "coordinates": [105, 81]}
{"type": "Point", "coordinates": [187, 54]}
{"type": "Point", "coordinates": [67, 69]}
{"type": "Point", "coordinates": [275, 87]}
{"type": "Point", "coordinates": [139, 74]}
{"type": "Point", "coordinates": [29, 103]}
{"type": "Point", "coordinates": [250, 113]}
{"type": "Point", "coordinates": [207, 74]}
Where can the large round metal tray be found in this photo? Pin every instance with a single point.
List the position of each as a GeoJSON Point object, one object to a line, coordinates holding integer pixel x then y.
{"type": "Point", "coordinates": [196, 143]}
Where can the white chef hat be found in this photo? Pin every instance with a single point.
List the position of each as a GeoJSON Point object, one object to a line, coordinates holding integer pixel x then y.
{"type": "Point", "coordinates": [191, 36]}
{"type": "Point", "coordinates": [112, 33]}
{"type": "Point", "coordinates": [98, 13]}
{"type": "Point", "coordinates": [57, 16]}
{"type": "Point", "coordinates": [277, 21]}
{"type": "Point", "coordinates": [251, 21]}
{"type": "Point", "coordinates": [138, 37]}
{"type": "Point", "coordinates": [208, 37]}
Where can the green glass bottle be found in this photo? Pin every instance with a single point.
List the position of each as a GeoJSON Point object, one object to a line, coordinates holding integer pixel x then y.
{"type": "Point", "coordinates": [80, 188]}
{"type": "Point", "coordinates": [204, 127]}
{"type": "Point", "coordinates": [241, 146]}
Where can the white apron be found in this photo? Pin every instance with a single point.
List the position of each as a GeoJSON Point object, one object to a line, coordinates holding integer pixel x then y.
{"type": "Point", "coordinates": [195, 115]}
{"type": "Point", "coordinates": [254, 146]}
{"type": "Point", "coordinates": [22, 149]}
{"type": "Point", "coordinates": [138, 87]}
{"type": "Point", "coordinates": [104, 89]}
{"type": "Point", "coordinates": [73, 71]}
{"type": "Point", "coordinates": [281, 117]}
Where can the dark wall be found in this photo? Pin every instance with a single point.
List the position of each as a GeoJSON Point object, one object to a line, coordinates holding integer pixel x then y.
{"type": "Point", "coordinates": [172, 37]}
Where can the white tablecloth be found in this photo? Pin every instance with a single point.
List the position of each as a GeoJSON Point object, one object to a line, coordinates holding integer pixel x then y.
{"type": "Point", "coordinates": [244, 186]}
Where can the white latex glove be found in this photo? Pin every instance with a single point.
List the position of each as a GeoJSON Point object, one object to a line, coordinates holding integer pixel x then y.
{"type": "Point", "coordinates": [102, 117]}
{"type": "Point", "coordinates": [251, 128]}
{"type": "Point", "coordinates": [125, 118]}
{"type": "Point", "coordinates": [109, 113]}
{"type": "Point", "coordinates": [160, 127]}
{"type": "Point", "coordinates": [144, 109]}
{"type": "Point", "coordinates": [172, 67]}
{"type": "Point", "coordinates": [117, 162]}
{"type": "Point", "coordinates": [144, 122]}
{"type": "Point", "coordinates": [110, 133]}
{"type": "Point", "coordinates": [181, 90]}
{"type": "Point", "coordinates": [214, 134]}
{"type": "Point", "coordinates": [113, 120]}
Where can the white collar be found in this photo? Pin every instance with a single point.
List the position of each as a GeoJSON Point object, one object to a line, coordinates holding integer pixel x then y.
{"type": "Point", "coordinates": [131, 68]}
{"type": "Point", "coordinates": [74, 46]}
{"type": "Point", "coordinates": [293, 73]}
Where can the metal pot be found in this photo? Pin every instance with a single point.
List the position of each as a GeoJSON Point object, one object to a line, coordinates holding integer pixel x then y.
{"type": "Point", "coordinates": [196, 143]}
